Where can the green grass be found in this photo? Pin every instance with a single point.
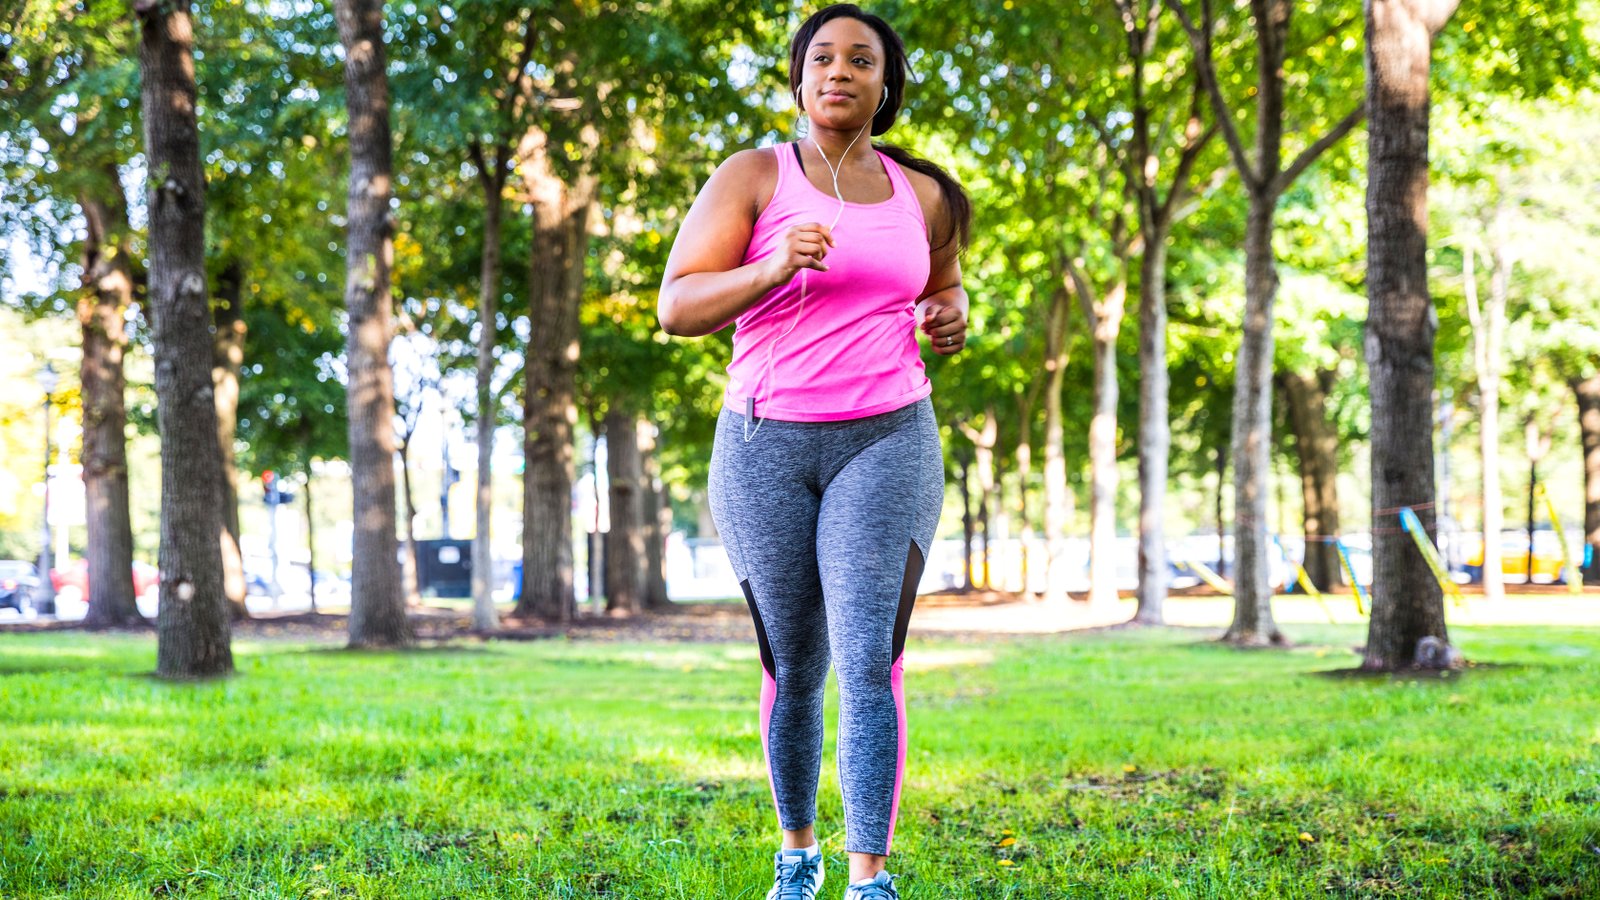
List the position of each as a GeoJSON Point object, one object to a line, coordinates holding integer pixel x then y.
{"type": "Point", "coordinates": [561, 769]}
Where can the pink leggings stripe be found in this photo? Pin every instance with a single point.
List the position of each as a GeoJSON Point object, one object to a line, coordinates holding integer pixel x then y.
{"type": "Point", "coordinates": [769, 696]}
{"type": "Point", "coordinates": [897, 687]}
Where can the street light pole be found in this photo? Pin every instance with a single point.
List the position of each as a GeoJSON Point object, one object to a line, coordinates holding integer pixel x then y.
{"type": "Point", "coordinates": [47, 591]}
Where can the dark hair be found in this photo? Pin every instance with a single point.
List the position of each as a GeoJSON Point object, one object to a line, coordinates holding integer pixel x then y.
{"type": "Point", "coordinates": [894, 78]}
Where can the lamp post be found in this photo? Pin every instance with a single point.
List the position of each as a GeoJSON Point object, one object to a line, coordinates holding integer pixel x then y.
{"type": "Point", "coordinates": [47, 592]}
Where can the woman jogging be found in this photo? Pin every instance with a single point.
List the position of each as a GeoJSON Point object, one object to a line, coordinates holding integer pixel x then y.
{"type": "Point", "coordinates": [827, 476]}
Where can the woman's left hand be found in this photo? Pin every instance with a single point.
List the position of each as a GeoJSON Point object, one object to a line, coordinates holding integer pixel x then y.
{"type": "Point", "coordinates": [946, 327]}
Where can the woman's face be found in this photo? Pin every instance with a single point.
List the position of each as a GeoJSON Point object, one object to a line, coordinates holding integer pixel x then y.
{"type": "Point", "coordinates": [841, 82]}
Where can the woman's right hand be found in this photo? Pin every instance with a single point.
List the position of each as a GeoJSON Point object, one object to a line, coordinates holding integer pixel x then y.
{"type": "Point", "coordinates": [801, 247]}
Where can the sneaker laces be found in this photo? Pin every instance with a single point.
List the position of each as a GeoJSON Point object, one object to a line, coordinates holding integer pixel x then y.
{"type": "Point", "coordinates": [794, 876]}
{"type": "Point", "coordinates": [877, 890]}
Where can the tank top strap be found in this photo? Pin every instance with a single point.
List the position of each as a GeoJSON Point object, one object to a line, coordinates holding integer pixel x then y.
{"type": "Point", "coordinates": [902, 186]}
{"type": "Point", "coordinates": [787, 165]}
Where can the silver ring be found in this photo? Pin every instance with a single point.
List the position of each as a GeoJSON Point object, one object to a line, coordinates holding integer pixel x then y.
{"type": "Point", "coordinates": [950, 340]}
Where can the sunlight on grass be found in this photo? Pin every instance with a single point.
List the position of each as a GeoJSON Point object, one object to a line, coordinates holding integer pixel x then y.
{"type": "Point", "coordinates": [1117, 764]}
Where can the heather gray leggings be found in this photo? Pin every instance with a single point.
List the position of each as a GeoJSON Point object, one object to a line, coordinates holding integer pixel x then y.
{"type": "Point", "coordinates": [828, 525]}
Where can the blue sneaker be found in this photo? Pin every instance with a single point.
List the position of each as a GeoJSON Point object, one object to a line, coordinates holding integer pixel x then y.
{"type": "Point", "coordinates": [881, 887]}
{"type": "Point", "coordinates": [797, 875]}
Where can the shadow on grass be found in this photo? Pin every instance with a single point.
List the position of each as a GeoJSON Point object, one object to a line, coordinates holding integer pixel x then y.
{"type": "Point", "coordinates": [1419, 674]}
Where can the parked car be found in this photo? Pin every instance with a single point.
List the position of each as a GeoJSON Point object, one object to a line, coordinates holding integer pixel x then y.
{"type": "Point", "coordinates": [1547, 559]}
{"type": "Point", "coordinates": [74, 579]}
{"type": "Point", "coordinates": [18, 580]}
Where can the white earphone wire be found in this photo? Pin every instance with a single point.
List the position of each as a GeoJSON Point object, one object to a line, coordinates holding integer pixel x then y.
{"type": "Point", "coordinates": [766, 379]}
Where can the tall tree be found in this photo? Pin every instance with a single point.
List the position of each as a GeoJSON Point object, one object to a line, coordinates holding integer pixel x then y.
{"type": "Point", "coordinates": [193, 628]}
{"type": "Point", "coordinates": [1488, 335]}
{"type": "Point", "coordinates": [1407, 601]}
{"type": "Point", "coordinates": [625, 556]}
{"type": "Point", "coordinates": [561, 206]}
{"type": "Point", "coordinates": [1150, 146]}
{"type": "Point", "coordinates": [102, 310]}
{"type": "Point", "coordinates": [1265, 178]}
{"type": "Point", "coordinates": [227, 359]}
{"type": "Point", "coordinates": [68, 79]}
{"type": "Point", "coordinates": [377, 608]}
{"type": "Point", "coordinates": [1316, 444]}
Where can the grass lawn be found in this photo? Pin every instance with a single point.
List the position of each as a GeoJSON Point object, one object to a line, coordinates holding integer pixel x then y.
{"type": "Point", "coordinates": [1124, 764]}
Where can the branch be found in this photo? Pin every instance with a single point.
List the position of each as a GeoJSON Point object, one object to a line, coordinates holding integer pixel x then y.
{"type": "Point", "coordinates": [1310, 154]}
{"type": "Point", "coordinates": [1081, 287]}
{"type": "Point", "coordinates": [1201, 41]}
{"type": "Point", "coordinates": [1187, 158]}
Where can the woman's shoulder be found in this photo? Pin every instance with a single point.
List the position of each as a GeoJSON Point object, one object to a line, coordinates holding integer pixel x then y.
{"type": "Point", "coordinates": [753, 172]}
{"type": "Point", "coordinates": [929, 196]}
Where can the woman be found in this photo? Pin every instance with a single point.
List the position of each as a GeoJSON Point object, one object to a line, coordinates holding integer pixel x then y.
{"type": "Point", "coordinates": [827, 477]}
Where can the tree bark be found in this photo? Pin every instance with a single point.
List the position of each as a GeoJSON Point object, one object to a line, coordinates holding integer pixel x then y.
{"type": "Point", "coordinates": [492, 179]}
{"type": "Point", "coordinates": [1317, 446]}
{"type": "Point", "coordinates": [983, 445]}
{"type": "Point", "coordinates": [227, 358]}
{"type": "Point", "coordinates": [377, 607]}
{"type": "Point", "coordinates": [102, 306]}
{"type": "Point", "coordinates": [657, 520]}
{"type": "Point", "coordinates": [1253, 623]}
{"type": "Point", "coordinates": [1407, 601]}
{"type": "Point", "coordinates": [1488, 333]}
{"type": "Point", "coordinates": [625, 542]}
{"type": "Point", "coordinates": [1105, 323]}
{"type": "Point", "coordinates": [963, 457]}
{"type": "Point", "coordinates": [560, 241]}
{"type": "Point", "coordinates": [410, 557]}
{"type": "Point", "coordinates": [194, 638]}
{"type": "Point", "coordinates": [1024, 478]}
{"type": "Point", "coordinates": [1057, 493]}
{"type": "Point", "coordinates": [1155, 432]}
{"type": "Point", "coordinates": [1588, 392]}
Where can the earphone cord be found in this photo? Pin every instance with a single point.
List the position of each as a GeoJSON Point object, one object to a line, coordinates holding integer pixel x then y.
{"type": "Point", "coordinates": [767, 376]}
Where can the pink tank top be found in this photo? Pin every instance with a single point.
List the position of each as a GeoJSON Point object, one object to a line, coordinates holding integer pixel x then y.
{"type": "Point", "coordinates": [853, 352]}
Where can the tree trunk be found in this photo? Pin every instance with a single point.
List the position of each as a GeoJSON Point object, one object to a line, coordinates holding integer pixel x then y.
{"type": "Point", "coordinates": [227, 345]}
{"type": "Point", "coordinates": [1488, 333]}
{"type": "Point", "coordinates": [492, 179]}
{"type": "Point", "coordinates": [1251, 440]}
{"type": "Point", "coordinates": [983, 444]}
{"type": "Point", "coordinates": [625, 543]}
{"type": "Point", "coordinates": [1024, 477]}
{"type": "Point", "coordinates": [1407, 601]}
{"type": "Point", "coordinates": [377, 607]}
{"type": "Point", "coordinates": [311, 537]}
{"type": "Point", "coordinates": [1588, 391]}
{"type": "Point", "coordinates": [1252, 436]}
{"type": "Point", "coordinates": [194, 636]}
{"type": "Point", "coordinates": [410, 559]}
{"type": "Point", "coordinates": [1222, 524]}
{"type": "Point", "coordinates": [1057, 493]}
{"type": "Point", "coordinates": [1155, 432]}
{"type": "Point", "coordinates": [657, 520]}
{"type": "Point", "coordinates": [1105, 323]}
{"type": "Point", "coordinates": [1317, 446]}
{"type": "Point", "coordinates": [555, 289]}
{"type": "Point", "coordinates": [107, 292]}
{"type": "Point", "coordinates": [964, 465]}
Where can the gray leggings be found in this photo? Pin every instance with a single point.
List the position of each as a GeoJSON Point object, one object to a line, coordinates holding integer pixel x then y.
{"type": "Point", "coordinates": [828, 525]}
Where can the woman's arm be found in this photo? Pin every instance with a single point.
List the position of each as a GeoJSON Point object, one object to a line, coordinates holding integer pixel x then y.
{"type": "Point", "coordinates": [942, 308]}
{"type": "Point", "coordinates": [705, 287]}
